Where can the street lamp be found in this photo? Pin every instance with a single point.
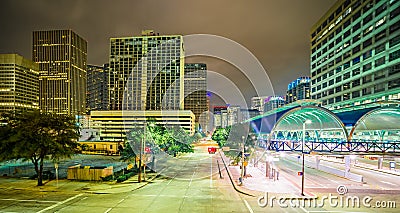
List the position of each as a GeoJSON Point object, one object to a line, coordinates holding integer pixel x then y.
{"type": "Point", "coordinates": [142, 145]}
{"type": "Point", "coordinates": [242, 169]}
{"type": "Point", "coordinates": [302, 151]}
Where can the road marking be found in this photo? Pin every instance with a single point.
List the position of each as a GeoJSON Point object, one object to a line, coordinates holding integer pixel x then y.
{"type": "Point", "coordinates": [302, 208]}
{"type": "Point", "coordinates": [38, 201]}
{"type": "Point", "coordinates": [334, 211]}
{"type": "Point", "coordinates": [248, 206]}
{"type": "Point", "coordinates": [170, 181]}
{"type": "Point", "coordinates": [121, 200]}
{"type": "Point", "coordinates": [108, 210]}
{"type": "Point", "coordinates": [388, 183]}
{"type": "Point", "coordinates": [84, 198]}
{"type": "Point", "coordinates": [191, 179]}
{"type": "Point", "coordinates": [333, 181]}
{"type": "Point", "coordinates": [59, 203]}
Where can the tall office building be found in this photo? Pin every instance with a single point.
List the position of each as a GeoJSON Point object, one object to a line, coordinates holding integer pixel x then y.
{"type": "Point", "coordinates": [195, 89]}
{"type": "Point", "coordinates": [233, 115]}
{"type": "Point", "coordinates": [273, 102]}
{"type": "Point", "coordinates": [257, 103]}
{"type": "Point", "coordinates": [62, 56]}
{"type": "Point", "coordinates": [97, 87]}
{"type": "Point", "coordinates": [220, 116]}
{"type": "Point", "coordinates": [355, 53]}
{"type": "Point", "coordinates": [146, 72]}
{"type": "Point", "coordinates": [298, 89]}
{"type": "Point", "coordinates": [19, 83]}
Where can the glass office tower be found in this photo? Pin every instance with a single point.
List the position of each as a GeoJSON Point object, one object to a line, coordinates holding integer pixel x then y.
{"type": "Point", "coordinates": [62, 56]}
{"type": "Point", "coordinates": [19, 83]}
{"type": "Point", "coordinates": [97, 87]}
{"type": "Point", "coordinates": [195, 88]}
{"type": "Point", "coordinates": [146, 72]}
{"type": "Point", "coordinates": [298, 89]}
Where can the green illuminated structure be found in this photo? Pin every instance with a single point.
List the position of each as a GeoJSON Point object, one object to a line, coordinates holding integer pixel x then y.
{"type": "Point", "coordinates": [355, 54]}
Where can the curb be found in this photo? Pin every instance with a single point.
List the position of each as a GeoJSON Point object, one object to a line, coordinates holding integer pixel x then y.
{"type": "Point", "coordinates": [230, 177]}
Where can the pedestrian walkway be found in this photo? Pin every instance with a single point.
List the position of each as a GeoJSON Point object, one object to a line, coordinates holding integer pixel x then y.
{"type": "Point", "coordinates": [256, 183]}
{"type": "Point", "coordinates": [256, 180]}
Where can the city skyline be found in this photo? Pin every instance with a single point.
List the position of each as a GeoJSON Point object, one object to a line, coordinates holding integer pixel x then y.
{"type": "Point", "coordinates": [279, 41]}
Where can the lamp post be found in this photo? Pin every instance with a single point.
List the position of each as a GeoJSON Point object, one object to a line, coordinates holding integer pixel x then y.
{"type": "Point", "coordinates": [242, 169]}
{"type": "Point", "coordinates": [142, 145]}
{"type": "Point", "coordinates": [302, 151]}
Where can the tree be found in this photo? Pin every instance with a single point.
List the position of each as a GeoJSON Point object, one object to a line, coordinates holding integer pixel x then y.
{"type": "Point", "coordinates": [221, 135]}
{"type": "Point", "coordinates": [171, 140]}
{"type": "Point", "coordinates": [35, 136]}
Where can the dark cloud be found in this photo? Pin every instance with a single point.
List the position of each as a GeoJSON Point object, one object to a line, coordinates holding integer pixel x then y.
{"type": "Point", "coordinates": [275, 31]}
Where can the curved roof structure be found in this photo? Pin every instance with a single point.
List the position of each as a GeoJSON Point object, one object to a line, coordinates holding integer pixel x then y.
{"type": "Point", "coordinates": [321, 120]}
{"type": "Point", "coordinates": [382, 119]}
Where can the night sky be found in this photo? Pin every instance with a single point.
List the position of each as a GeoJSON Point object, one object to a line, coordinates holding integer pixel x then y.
{"type": "Point", "coordinates": [276, 32]}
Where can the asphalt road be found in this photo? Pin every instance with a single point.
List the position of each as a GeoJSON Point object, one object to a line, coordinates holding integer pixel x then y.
{"type": "Point", "coordinates": [194, 186]}
{"type": "Point", "coordinates": [192, 183]}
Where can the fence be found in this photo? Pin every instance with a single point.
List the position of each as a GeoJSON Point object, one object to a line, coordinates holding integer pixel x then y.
{"type": "Point", "coordinates": [79, 172]}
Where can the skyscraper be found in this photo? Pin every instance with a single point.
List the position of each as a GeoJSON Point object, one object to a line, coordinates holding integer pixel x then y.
{"type": "Point", "coordinates": [299, 89]}
{"type": "Point", "coordinates": [19, 83]}
{"type": "Point", "coordinates": [61, 55]}
{"type": "Point", "coordinates": [355, 53]}
{"type": "Point", "coordinates": [195, 88]}
{"type": "Point", "coordinates": [146, 72]}
{"type": "Point", "coordinates": [97, 87]}
{"type": "Point", "coordinates": [258, 103]}
{"type": "Point", "coordinates": [273, 102]}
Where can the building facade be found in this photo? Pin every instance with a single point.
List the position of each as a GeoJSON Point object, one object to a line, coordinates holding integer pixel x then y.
{"type": "Point", "coordinates": [62, 56]}
{"type": "Point", "coordinates": [273, 102]}
{"type": "Point", "coordinates": [298, 89]}
{"type": "Point", "coordinates": [355, 53]}
{"type": "Point", "coordinates": [112, 125]}
{"type": "Point", "coordinates": [233, 113]}
{"type": "Point", "coordinates": [257, 103]}
{"type": "Point", "coordinates": [195, 88]}
{"type": "Point", "coordinates": [146, 72]}
{"type": "Point", "coordinates": [220, 116]}
{"type": "Point", "coordinates": [97, 87]}
{"type": "Point", "coordinates": [19, 83]}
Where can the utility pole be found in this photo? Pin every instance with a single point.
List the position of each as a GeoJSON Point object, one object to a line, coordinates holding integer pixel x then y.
{"type": "Point", "coordinates": [142, 145]}
{"type": "Point", "coordinates": [242, 168]}
{"type": "Point", "coordinates": [140, 161]}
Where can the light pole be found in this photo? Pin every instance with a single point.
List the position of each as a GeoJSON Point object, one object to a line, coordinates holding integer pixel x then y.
{"type": "Point", "coordinates": [142, 144]}
{"type": "Point", "coordinates": [302, 151]}
{"type": "Point", "coordinates": [242, 169]}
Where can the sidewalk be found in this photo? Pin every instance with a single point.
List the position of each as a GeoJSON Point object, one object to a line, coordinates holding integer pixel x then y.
{"type": "Point", "coordinates": [256, 183]}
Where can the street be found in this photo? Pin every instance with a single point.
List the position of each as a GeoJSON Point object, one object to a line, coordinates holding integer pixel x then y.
{"type": "Point", "coordinates": [199, 193]}
{"type": "Point", "coordinates": [196, 185]}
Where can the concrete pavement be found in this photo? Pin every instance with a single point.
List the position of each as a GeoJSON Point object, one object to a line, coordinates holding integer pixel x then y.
{"type": "Point", "coordinates": [255, 182]}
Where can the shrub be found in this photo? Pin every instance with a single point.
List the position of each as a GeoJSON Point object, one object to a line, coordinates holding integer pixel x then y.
{"type": "Point", "coordinates": [121, 178]}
